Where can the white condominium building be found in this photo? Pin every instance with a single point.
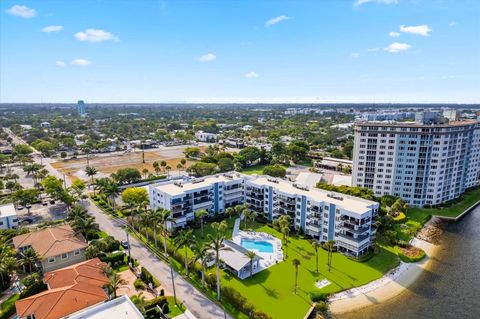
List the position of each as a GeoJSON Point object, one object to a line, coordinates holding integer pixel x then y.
{"type": "Point", "coordinates": [321, 214]}
{"type": "Point", "coordinates": [425, 164]}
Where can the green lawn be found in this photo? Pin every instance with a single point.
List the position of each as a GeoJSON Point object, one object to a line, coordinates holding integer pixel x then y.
{"type": "Point", "coordinates": [8, 303]}
{"type": "Point", "coordinates": [271, 290]}
{"type": "Point", "coordinates": [257, 169]}
{"type": "Point", "coordinates": [467, 199]}
{"type": "Point", "coordinates": [175, 309]}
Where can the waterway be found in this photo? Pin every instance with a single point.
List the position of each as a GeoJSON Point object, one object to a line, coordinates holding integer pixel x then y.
{"type": "Point", "coordinates": [449, 289]}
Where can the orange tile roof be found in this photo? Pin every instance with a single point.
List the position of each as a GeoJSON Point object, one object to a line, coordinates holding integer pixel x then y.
{"type": "Point", "coordinates": [60, 302]}
{"type": "Point", "coordinates": [89, 272]}
{"type": "Point", "coordinates": [52, 241]}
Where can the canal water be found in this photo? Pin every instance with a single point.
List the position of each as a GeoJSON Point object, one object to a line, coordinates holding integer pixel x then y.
{"type": "Point", "coordinates": [449, 289]}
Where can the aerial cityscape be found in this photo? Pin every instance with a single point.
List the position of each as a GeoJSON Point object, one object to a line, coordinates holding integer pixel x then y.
{"type": "Point", "coordinates": [239, 159]}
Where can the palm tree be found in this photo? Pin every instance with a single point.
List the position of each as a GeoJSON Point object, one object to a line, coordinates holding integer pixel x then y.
{"type": "Point", "coordinates": [179, 167]}
{"type": "Point", "coordinates": [163, 164]}
{"type": "Point", "coordinates": [202, 254]}
{"type": "Point", "coordinates": [156, 167]}
{"type": "Point", "coordinates": [251, 215]}
{"type": "Point", "coordinates": [145, 222]}
{"type": "Point", "coordinates": [77, 211]}
{"type": "Point", "coordinates": [185, 238]}
{"type": "Point", "coordinates": [164, 218]}
{"type": "Point", "coordinates": [111, 191]}
{"type": "Point", "coordinates": [140, 302]}
{"type": "Point", "coordinates": [230, 211]}
{"type": "Point", "coordinates": [201, 214]}
{"type": "Point", "coordinates": [8, 266]}
{"type": "Point", "coordinates": [216, 244]}
{"type": "Point", "coordinates": [315, 246]}
{"type": "Point", "coordinates": [168, 168]}
{"type": "Point", "coordinates": [285, 231]}
{"type": "Point", "coordinates": [154, 221]}
{"type": "Point", "coordinates": [251, 255]}
{"type": "Point", "coordinates": [85, 226]}
{"type": "Point", "coordinates": [114, 282]}
{"type": "Point", "coordinates": [91, 171]}
{"type": "Point", "coordinates": [246, 213]}
{"type": "Point", "coordinates": [29, 258]}
{"type": "Point", "coordinates": [296, 263]}
{"type": "Point", "coordinates": [145, 172]}
{"type": "Point", "coordinates": [330, 245]}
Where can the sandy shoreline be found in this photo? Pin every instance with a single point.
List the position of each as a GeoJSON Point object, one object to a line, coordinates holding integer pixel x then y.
{"type": "Point", "coordinates": [391, 285]}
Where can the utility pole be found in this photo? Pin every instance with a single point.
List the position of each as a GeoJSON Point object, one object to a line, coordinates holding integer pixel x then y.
{"type": "Point", "coordinates": [128, 242]}
{"type": "Point", "coordinates": [64, 182]}
{"type": "Point", "coordinates": [173, 282]}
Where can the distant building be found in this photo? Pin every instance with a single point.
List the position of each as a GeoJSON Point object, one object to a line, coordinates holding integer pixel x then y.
{"type": "Point", "coordinates": [45, 124]}
{"type": "Point", "coordinates": [452, 115]}
{"type": "Point", "coordinates": [57, 247]}
{"type": "Point", "coordinates": [206, 137]}
{"type": "Point", "coordinates": [8, 216]}
{"type": "Point", "coordinates": [426, 162]}
{"type": "Point", "coordinates": [81, 108]}
{"type": "Point", "coordinates": [308, 179]}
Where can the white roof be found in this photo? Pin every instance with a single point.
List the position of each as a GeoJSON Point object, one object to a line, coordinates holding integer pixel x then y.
{"type": "Point", "coordinates": [7, 210]}
{"type": "Point", "coordinates": [120, 308]}
{"type": "Point", "coordinates": [173, 190]}
{"type": "Point", "coordinates": [234, 255]}
{"type": "Point", "coordinates": [339, 180]}
{"type": "Point", "coordinates": [350, 203]}
{"type": "Point", "coordinates": [308, 179]}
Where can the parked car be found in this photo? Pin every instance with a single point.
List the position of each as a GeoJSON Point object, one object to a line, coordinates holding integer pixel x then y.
{"type": "Point", "coordinates": [124, 244]}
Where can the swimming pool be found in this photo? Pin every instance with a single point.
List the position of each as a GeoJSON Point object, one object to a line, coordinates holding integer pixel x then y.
{"type": "Point", "coordinates": [261, 246]}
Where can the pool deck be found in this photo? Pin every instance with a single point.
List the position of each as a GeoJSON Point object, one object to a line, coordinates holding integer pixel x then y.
{"type": "Point", "coordinates": [268, 259]}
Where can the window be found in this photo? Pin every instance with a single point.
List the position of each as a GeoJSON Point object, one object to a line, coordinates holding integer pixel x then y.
{"type": "Point", "coordinates": [64, 256]}
{"type": "Point", "coordinates": [51, 259]}
{"type": "Point", "coordinates": [76, 252]}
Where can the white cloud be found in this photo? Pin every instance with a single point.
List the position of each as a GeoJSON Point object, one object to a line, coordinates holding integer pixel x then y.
{"type": "Point", "coordinates": [355, 55]}
{"type": "Point", "coordinates": [373, 49]}
{"type": "Point", "coordinates": [95, 35]}
{"type": "Point", "coordinates": [251, 75]}
{"type": "Point", "coordinates": [22, 11]}
{"type": "Point", "coordinates": [206, 57]}
{"type": "Point", "coordinates": [394, 34]}
{"type": "Point", "coordinates": [422, 30]}
{"type": "Point", "coordinates": [276, 20]}
{"type": "Point", "coordinates": [81, 62]}
{"type": "Point", "coordinates": [60, 64]}
{"type": "Point", "coordinates": [397, 47]}
{"type": "Point", "coordinates": [452, 24]}
{"type": "Point", "coordinates": [360, 2]}
{"type": "Point", "coordinates": [52, 28]}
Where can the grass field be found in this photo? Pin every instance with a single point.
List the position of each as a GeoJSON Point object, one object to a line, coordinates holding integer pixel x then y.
{"type": "Point", "coordinates": [468, 199]}
{"type": "Point", "coordinates": [8, 303]}
{"type": "Point", "coordinates": [257, 169]}
{"type": "Point", "coordinates": [175, 309]}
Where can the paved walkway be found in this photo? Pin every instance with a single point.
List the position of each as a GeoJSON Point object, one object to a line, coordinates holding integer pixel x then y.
{"type": "Point", "coordinates": [199, 305]}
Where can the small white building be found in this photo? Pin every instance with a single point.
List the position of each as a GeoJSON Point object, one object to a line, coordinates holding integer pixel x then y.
{"type": "Point", "coordinates": [236, 261]}
{"type": "Point", "coordinates": [45, 124]}
{"type": "Point", "coordinates": [247, 127]}
{"type": "Point", "coordinates": [308, 179]}
{"type": "Point", "coordinates": [205, 137]}
{"type": "Point", "coordinates": [120, 308]}
{"type": "Point", "coordinates": [8, 216]}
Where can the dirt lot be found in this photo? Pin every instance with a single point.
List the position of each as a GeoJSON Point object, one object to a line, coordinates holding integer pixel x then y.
{"type": "Point", "coordinates": [110, 163]}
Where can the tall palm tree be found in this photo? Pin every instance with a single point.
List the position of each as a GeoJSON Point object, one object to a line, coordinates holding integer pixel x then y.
{"type": "Point", "coordinates": [114, 282]}
{"type": "Point", "coordinates": [111, 191]}
{"type": "Point", "coordinates": [164, 218]}
{"type": "Point", "coordinates": [202, 254]}
{"type": "Point", "coordinates": [163, 164]}
{"type": "Point", "coordinates": [29, 258]}
{"type": "Point", "coordinates": [251, 255]}
{"type": "Point", "coordinates": [315, 246]}
{"type": "Point", "coordinates": [8, 266]}
{"type": "Point", "coordinates": [77, 211]}
{"type": "Point", "coordinates": [156, 167]}
{"type": "Point", "coordinates": [216, 244]}
{"type": "Point", "coordinates": [246, 215]}
{"type": "Point", "coordinates": [154, 221]}
{"type": "Point", "coordinates": [230, 211]}
{"type": "Point", "coordinates": [179, 167]}
{"type": "Point", "coordinates": [145, 218]}
{"type": "Point", "coordinates": [201, 214]}
{"type": "Point", "coordinates": [85, 226]}
{"type": "Point", "coordinates": [285, 231]}
{"type": "Point", "coordinates": [184, 239]}
{"type": "Point", "coordinates": [168, 168]}
{"type": "Point", "coordinates": [91, 172]}
{"type": "Point", "coordinates": [296, 263]}
{"type": "Point", "coordinates": [330, 245]}
{"type": "Point", "coordinates": [140, 302]}
{"type": "Point", "coordinates": [250, 214]}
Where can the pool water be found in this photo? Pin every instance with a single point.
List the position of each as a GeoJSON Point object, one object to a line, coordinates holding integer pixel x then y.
{"type": "Point", "coordinates": [261, 246]}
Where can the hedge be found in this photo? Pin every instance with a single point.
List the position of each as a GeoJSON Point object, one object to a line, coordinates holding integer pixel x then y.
{"type": "Point", "coordinates": [316, 296]}
{"type": "Point", "coordinates": [414, 259]}
{"type": "Point", "coordinates": [113, 258]}
{"type": "Point", "coordinates": [147, 278]}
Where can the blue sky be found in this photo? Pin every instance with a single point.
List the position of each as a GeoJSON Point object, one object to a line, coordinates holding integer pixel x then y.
{"type": "Point", "coordinates": [240, 51]}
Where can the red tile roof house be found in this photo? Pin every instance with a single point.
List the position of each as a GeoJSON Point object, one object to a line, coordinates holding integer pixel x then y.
{"type": "Point", "coordinates": [70, 289]}
{"type": "Point", "coordinates": [57, 247]}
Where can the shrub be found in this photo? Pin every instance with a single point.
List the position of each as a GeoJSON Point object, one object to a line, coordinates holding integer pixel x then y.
{"type": "Point", "coordinates": [157, 301]}
{"type": "Point", "coordinates": [275, 171]}
{"type": "Point", "coordinates": [400, 218]}
{"type": "Point", "coordinates": [234, 298]}
{"type": "Point", "coordinates": [257, 314]}
{"type": "Point", "coordinates": [113, 258]}
{"type": "Point", "coordinates": [147, 278]}
{"type": "Point", "coordinates": [403, 243]}
{"type": "Point", "coordinates": [412, 259]}
{"type": "Point", "coordinates": [321, 306]}
{"type": "Point", "coordinates": [139, 284]}
{"type": "Point", "coordinates": [316, 296]}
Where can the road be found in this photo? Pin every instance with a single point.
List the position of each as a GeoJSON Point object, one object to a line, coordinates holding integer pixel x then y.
{"type": "Point", "coordinates": [199, 305]}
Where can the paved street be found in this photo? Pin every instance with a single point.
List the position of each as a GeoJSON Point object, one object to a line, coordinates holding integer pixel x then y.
{"type": "Point", "coordinates": [199, 305]}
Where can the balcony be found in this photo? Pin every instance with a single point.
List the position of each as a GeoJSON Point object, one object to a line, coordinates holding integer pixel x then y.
{"type": "Point", "coordinates": [358, 240]}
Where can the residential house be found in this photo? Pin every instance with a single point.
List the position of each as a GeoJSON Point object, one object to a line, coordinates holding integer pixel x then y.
{"type": "Point", "coordinates": [8, 216]}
